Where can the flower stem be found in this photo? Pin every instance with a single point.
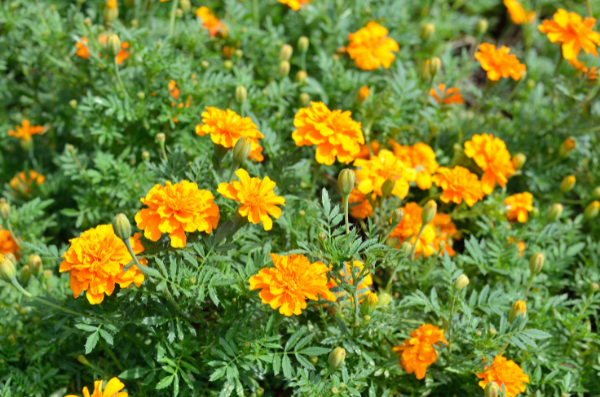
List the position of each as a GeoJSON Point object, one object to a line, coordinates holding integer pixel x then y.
{"type": "Point", "coordinates": [558, 63]}
{"type": "Point", "coordinates": [528, 286]}
{"type": "Point", "coordinates": [119, 79]}
{"type": "Point", "coordinates": [256, 13]}
{"type": "Point", "coordinates": [12, 233]}
{"type": "Point", "coordinates": [414, 250]}
{"type": "Point", "coordinates": [346, 212]}
{"type": "Point", "coordinates": [173, 13]}
{"type": "Point", "coordinates": [22, 290]}
{"type": "Point", "coordinates": [589, 7]}
{"type": "Point", "coordinates": [314, 181]}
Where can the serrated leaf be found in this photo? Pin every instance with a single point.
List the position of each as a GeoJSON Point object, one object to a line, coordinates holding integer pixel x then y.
{"type": "Point", "coordinates": [91, 342]}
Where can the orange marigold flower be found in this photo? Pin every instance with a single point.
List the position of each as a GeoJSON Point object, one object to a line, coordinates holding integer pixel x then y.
{"type": "Point", "coordinates": [348, 273]}
{"type": "Point", "coordinates": [363, 208]}
{"type": "Point", "coordinates": [450, 95]}
{"type": "Point", "coordinates": [458, 184]}
{"type": "Point", "coordinates": [590, 73]}
{"type": "Point", "coordinates": [96, 261]}
{"type": "Point", "coordinates": [295, 4]}
{"type": "Point", "coordinates": [493, 158]}
{"type": "Point", "coordinates": [517, 13]}
{"type": "Point", "coordinates": [82, 48]}
{"type": "Point", "coordinates": [7, 244]}
{"type": "Point", "coordinates": [173, 90]}
{"type": "Point", "coordinates": [409, 228]}
{"type": "Point", "coordinates": [519, 205]}
{"type": "Point", "coordinates": [26, 130]}
{"type": "Point", "coordinates": [365, 153]}
{"type": "Point", "coordinates": [421, 158]}
{"type": "Point", "coordinates": [334, 133]}
{"type": "Point", "coordinates": [446, 230]}
{"type": "Point", "coordinates": [291, 282]}
{"type": "Point", "coordinates": [23, 184]}
{"type": "Point", "coordinates": [498, 62]}
{"type": "Point", "coordinates": [507, 373]}
{"type": "Point", "coordinates": [363, 93]}
{"type": "Point", "coordinates": [257, 198]}
{"type": "Point", "coordinates": [210, 22]}
{"type": "Point", "coordinates": [371, 48]}
{"type": "Point", "coordinates": [418, 352]}
{"type": "Point", "coordinates": [227, 127]}
{"type": "Point", "coordinates": [112, 4]}
{"type": "Point", "coordinates": [113, 389]}
{"type": "Point", "coordinates": [176, 209]}
{"type": "Point", "coordinates": [574, 32]}
{"type": "Point", "coordinates": [372, 174]}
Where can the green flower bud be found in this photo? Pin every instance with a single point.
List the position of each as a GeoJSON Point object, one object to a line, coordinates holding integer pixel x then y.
{"type": "Point", "coordinates": [285, 53]}
{"type": "Point", "coordinates": [241, 94]}
{"type": "Point", "coordinates": [73, 103]}
{"type": "Point", "coordinates": [397, 216]}
{"type": "Point", "coordinates": [555, 212]}
{"type": "Point", "coordinates": [429, 211]}
{"type": "Point", "coordinates": [461, 282]}
{"type": "Point", "coordinates": [518, 309]}
{"type": "Point", "coordinates": [388, 187]}
{"type": "Point", "coordinates": [141, 95]}
{"type": "Point", "coordinates": [301, 77]}
{"type": "Point", "coordinates": [384, 299]}
{"type": "Point", "coordinates": [519, 160]}
{"type": "Point", "coordinates": [482, 26]}
{"type": "Point", "coordinates": [185, 5]}
{"type": "Point", "coordinates": [284, 68]}
{"type": "Point", "coordinates": [160, 137]}
{"type": "Point", "coordinates": [491, 390]}
{"type": "Point", "coordinates": [596, 193]}
{"type": "Point", "coordinates": [7, 269]}
{"type": "Point", "coordinates": [304, 99]}
{"type": "Point", "coordinates": [594, 287]}
{"type": "Point", "coordinates": [241, 150]}
{"type": "Point", "coordinates": [260, 391]}
{"type": "Point", "coordinates": [536, 263]}
{"type": "Point", "coordinates": [35, 264]}
{"type": "Point", "coordinates": [591, 211]}
{"type": "Point", "coordinates": [113, 45]}
{"type": "Point", "coordinates": [336, 358]}
{"type": "Point", "coordinates": [228, 64]}
{"type": "Point", "coordinates": [368, 306]}
{"type": "Point", "coordinates": [205, 64]}
{"type": "Point", "coordinates": [5, 210]}
{"type": "Point", "coordinates": [493, 331]}
{"type": "Point", "coordinates": [567, 184]}
{"type": "Point", "coordinates": [566, 148]}
{"type": "Point", "coordinates": [346, 181]}
{"type": "Point", "coordinates": [435, 65]}
{"type": "Point", "coordinates": [27, 144]}
{"type": "Point", "coordinates": [11, 257]}
{"type": "Point", "coordinates": [334, 390]}
{"type": "Point", "coordinates": [427, 31]}
{"type": "Point", "coordinates": [303, 44]}
{"type": "Point", "coordinates": [111, 11]}
{"type": "Point", "coordinates": [122, 227]}
{"type": "Point", "coordinates": [83, 360]}
{"type": "Point", "coordinates": [24, 275]}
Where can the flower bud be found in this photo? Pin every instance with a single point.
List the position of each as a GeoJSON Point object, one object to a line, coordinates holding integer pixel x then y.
{"type": "Point", "coordinates": [304, 99]}
{"type": "Point", "coordinates": [141, 95]}
{"type": "Point", "coordinates": [134, 23]}
{"type": "Point", "coordinates": [362, 94]}
{"type": "Point", "coordinates": [73, 103]}
{"type": "Point", "coordinates": [424, 70]}
{"type": "Point", "coordinates": [241, 150]}
{"type": "Point", "coordinates": [346, 181]}
{"type": "Point", "coordinates": [303, 43]}
{"type": "Point", "coordinates": [111, 11]}
{"type": "Point", "coordinates": [594, 287]}
{"type": "Point", "coordinates": [301, 77]}
{"type": "Point", "coordinates": [334, 390]}
{"type": "Point", "coordinates": [566, 148]}
{"type": "Point", "coordinates": [122, 227]}
{"type": "Point", "coordinates": [397, 216]}
{"type": "Point", "coordinates": [322, 236]}
{"type": "Point", "coordinates": [11, 257]}
{"type": "Point", "coordinates": [368, 306]}
{"type": "Point", "coordinates": [160, 137]}
{"type": "Point", "coordinates": [87, 22]}
{"type": "Point", "coordinates": [35, 264]}
{"type": "Point", "coordinates": [482, 26]}
{"type": "Point", "coordinates": [336, 358]}
{"type": "Point", "coordinates": [241, 94]}
{"type": "Point", "coordinates": [24, 275]}
{"type": "Point", "coordinates": [435, 65]}
{"type": "Point", "coordinates": [314, 360]}
{"type": "Point", "coordinates": [461, 282]}
{"type": "Point", "coordinates": [384, 299]}
{"type": "Point", "coordinates": [591, 211]}
{"type": "Point", "coordinates": [228, 65]}
{"type": "Point", "coordinates": [260, 391]}
{"type": "Point", "coordinates": [27, 144]}
{"type": "Point", "coordinates": [493, 331]}
{"type": "Point", "coordinates": [70, 148]}
{"type": "Point", "coordinates": [388, 187]}
{"type": "Point", "coordinates": [596, 193]}
{"type": "Point", "coordinates": [491, 390]}
{"type": "Point", "coordinates": [239, 53]}
{"type": "Point", "coordinates": [518, 160]}
{"type": "Point", "coordinates": [518, 309]}
{"type": "Point", "coordinates": [204, 64]}
{"type": "Point", "coordinates": [427, 31]}
{"type": "Point", "coordinates": [285, 53]}
{"type": "Point", "coordinates": [185, 5]}
{"type": "Point", "coordinates": [5, 210]}
{"type": "Point", "coordinates": [7, 269]}
{"type": "Point", "coordinates": [429, 211]}
{"type": "Point", "coordinates": [555, 212]}
{"type": "Point", "coordinates": [567, 184]}
{"type": "Point", "coordinates": [536, 263]}
{"type": "Point", "coordinates": [284, 68]}
{"type": "Point", "coordinates": [113, 45]}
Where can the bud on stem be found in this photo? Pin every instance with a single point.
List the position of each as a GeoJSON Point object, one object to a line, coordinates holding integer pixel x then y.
{"type": "Point", "coordinates": [555, 212]}
{"type": "Point", "coordinates": [518, 309]}
{"type": "Point", "coordinates": [241, 151]}
{"type": "Point", "coordinates": [336, 358]}
{"type": "Point", "coordinates": [536, 263]}
{"type": "Point", "coordinates": [122, 227]}
{"type": "Point", "coordinates": [7, 269]}
{"type": "Point", "coordinates": [461, 282]}
{"type": "Point", "coordinates": [429, 211]}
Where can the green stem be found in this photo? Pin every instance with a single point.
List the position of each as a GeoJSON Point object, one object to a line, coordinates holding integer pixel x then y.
{"type": "Point", "coordinates": [314, 181]}
{"type": "Point", "coordinates": [414, 250]}
{"type": "Point", "coordinates": [558, 63]}
{"type": "Point", "coordinates": [14, 236]}
{"type": "Point", "coordinates": [451, 317]}
{"type": "Point", "coordinates": [164, 152]}
{"type": "Point", "coordinates": [256, 13]}
{"type": "Point", "coordinates": [346, 213]}
{"type": "Point", "coordinates": [528, 287]}
{"type": "Point", "coordinates": [173, 14]}
{"type": "Point", "coordinates": [303, 61]}
{"type": "Point", "coordinates": [589, 7]}
{"type": "Point", "coordinates": [119, 79]}
{"type": "Point", "coordinates": [22, 290]}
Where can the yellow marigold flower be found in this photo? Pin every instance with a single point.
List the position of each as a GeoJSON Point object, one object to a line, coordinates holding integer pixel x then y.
{"type": "Point", "coordinates": [499, 63]}
{"type": "Point", "coordinates": [96, 260]}
{"type": "Point", "coordinates": [113, 389]}
{"type": "Point", "coordinates": [507, 373]}
{"type": "Point", "coordinates": [370, 47]}
{"type": "Point", "coordinates": [334, 133]}
{"type": "Point", "coordinates": [295, 4]}
{"type": "Point", "coordinates": [7, 244]}
{"type": "Point", "coordinates": [210, 22]}
{"type": "Point", "coordinates": [421, 158]}
{"type": "Point", "coordinates": [176, 209]}
{"type": "Point", "coordinates": [346, 273]}
{"type": "Point", "coordinates": [418, 352]}
{"type": "Point", "coordinates": [446, 230]}
{"type": "Point", "coordinates": [23, 184]}
{"type": "Point", "coordinates": [361, 210]}
{"type": "Point", "coordinates": [574, 32]}
{"type": "Point", "coordinates": [26, 130]}
{"type": "Point", "coordinates": [291, 282]}
{"type": "Point", "coordinates": [493, 158]}
{"type": "Point", "coordinates": [458, 184]}
{"type": "Point", "coordinates": [374, 172]}
{"type": "Point", "coordinates": [227, 127]}
{"type": "Point", "coordinates": [450, 95]}
{"type": "Point", "coordinates": [517, 13]}
{"type": "Point", "coordinates": [409, 228]}
{"type": "Point", "coordinates": [519, 206]}
{"type": "Point", "coordinates": [257, 198]}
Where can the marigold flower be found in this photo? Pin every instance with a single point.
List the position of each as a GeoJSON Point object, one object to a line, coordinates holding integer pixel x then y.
{"type": "Point", "coordinates": [333, 132]}
{"type": "Point", "coordinates": [176, 209]}
{"type": "Point", "coordinates": [257, 198]}
{"type": "Point", "coordinates": [23, 184]}
{"type": "Point", "coordinates": [517, 13]}
{"type": "Point", "coordinates": [291, 282]}
{"type": "Point", "coordinates": [96, 260]}
{"type": "Point", "coordinates": [421, 158]}
{"type": "Point", "coordinates": [295, 4]}
{"type": "Point", "coordinates": [498, 62]}
{"type": "Point", "coordinates": [446, 230]}
{"type": "Point", "coordinates": [173, 90]}
{"type": "Point", "coordinates": [574, 32]}
{"type": "Point", "coordinates": [372, 174]}
{"type": "Point", "coordinates": [493, 158]}
{"type": "Point", "coordinates": [507, 373]}
{"type": "Point", "coordinates": [371, 48]}
{"type": "Point", "coordinates": [590, 74]}
{"type": "Point", "coordinates": [519, 205]}
{"type": "Point", "coordinates": [113, 389]}
{"type": "Point", "coordinates": [82, 48]}
{"type": "Point", "coordinates": [408, 230]}
{"type": "Point", "coordinates": [26, 130]}
{"type": "Point", "coordinates": [364, 150]}
{"type": "Point", "coordinates": [227, 127]}
{"type": "Point", "coordinates": [363, 93]}
{"type": "Point", "coordinates": [347, 273]}
{"type": "Point", "coordinates": [361, 210]}
{"type": "Point", "coordinates": [418, 352]}
{"type": "Point", "coordinates": [7, 244]}
{"type": "Point", "coordinates": [450, 95]}
{"type": "Point", "coordinates": [458, 184]}
{"type": "Point", "coordinates": [210, 22]}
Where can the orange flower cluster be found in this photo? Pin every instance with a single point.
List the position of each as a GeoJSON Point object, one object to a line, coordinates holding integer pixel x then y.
{"type": "Point", "coordinates": [227, 127]}
{"type": "Point", "coordinates": [517, 13]}
{"type": "Point", "coordinates": [26, 130]}
{"type": "Point", "coordinates": [176, 209]}
{"type": "Point", "coordinates": [291, 282]}
{"type": "Point", "coordinates": [458, 184]}
{"type": "Point", "coordinates": [418, 352]}
{"type": "Point", "coordinates": [493, 158]}
{"type": "Point", "coordinates": [519, 206]}
{"type": "Point", "coordinates": [347, 273]}
{"type": "Point", "coordinates": [257, 198]}
{"type": "Point", "coordinates": [333, 132]}
{"type": "Point", "coordinates": [113, 389]}
{"type": "Point", "coordinates": [362, 208]}
{"type": "Point", "coordinates": [409, 228]}
{"type": "Point", "coordinates": [295, 4]}
{"type": "Point", "coordinates": [590, 73]}
{"type": "Point", "coordinates": [499, 63]}
{"type": "Point", "coordinates": [371, 48]}
{"type": "Point", "coordinates": [210, 22]}
{"type": "Point", "coordinates": [450, 95]}
{"type": "Point", "coordinates": [23, 184]}
{"type": "Point", "coordinates": [96, 261]}
{"type": "Point", "coordinates": [507, 373]}
{"type": "Point", "coordinates": [7, 244]}
{"type": "Point", "coordinates": [83, 50]}
{"type": "Point", "coordinates": [372, 174]}
{"type": "Point", "coordinates": [574, 32]}
{"type": "Point", "coordinates": [421, 158]}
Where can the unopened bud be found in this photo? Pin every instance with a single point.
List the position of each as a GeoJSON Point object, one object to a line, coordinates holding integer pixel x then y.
{"type": "Point", "coordinates": [70, 148]}
{"type": "Point", "coordinates": [424, 70]}
{"type": "Point", "coordinates": [491, 390]}
{"type": "Point", "coordinates": [11, 257]}
{"type": "Point", "coordinates": [368, 306]}
{"type": "Point", "coordinates": [566, 148]}
{"type": "Point", "coordinates": [334, 390]}
{"type": "Point", "coordinates": [185, 5]}
{"type": "Point", "coordinates": [594, 287]}
{"type": "Point", "coordinates": [160, 137]}
{"type": "Point", "coordinates": [111, 11]}
{"type": "Point", "coordinates": [322, 236]}
{"type": "Point", "coordinates": [284, 68]}
{"type": "Point", "coordinates": [113, 45]}
{"type": "Point", "coordinates": [555, 212]}
{"type": "Point", "coordinates": [27, 144]}
{"type": "Point", "coordinates": [301, 76]}
{"type": "Point", "coordinates": [346, 181]}
{"type": "Point", "coordinates": [493, 331]}
{"type": "Point", "coordinates": [285, 53]}
{"type": "Point", "coordinates": [145, 155]}
{"type": "Point", "coordinates": [435, 65]}
{"type": "Point", "coordinates": [482, 26]}
{"type": "Point", "coordinates": [591, 211]}
{"type": "Point", "coordinates": [397, 216]}
{"type": "Point", "coordinates": [536, 263]}
{"type": "Point", "coordinates": [241, 94]}
{"type": "Point", "coordinates": [122, 227]}
{"type": "Point", "coordinates": [304, 99]}
{"type": "Point", "coordinates": [314, 360]}
{"type": "Point", "coordinates": [228, 64]}
{"type": "Point", "coordinates": [73, 103]}
{"type": "Point", "coordinates": [567, 184]}
{"type": "Point", "coordinates": [303, 44]}
{"type": "Point", "coordinates": [134, 23]}
{"type": "Point", "coordinates": [47, 274]}
{"type": "Point", "coordinates": [7, 269]}
{"type": "Point", "coordinates": [362, 94]}
{"type": "Point", "coordinates": [596, 193]}
{"type": "Point", "coordinates": [241, 150]}
{"type": "Point", "coordinates": [461, 282]}
{"type": "Point", "coordinates": [204, 64]}
{"type": "Point", "coordinates": [24, 275]}
{"type": "Point", "coordinates": [87, 22]}
{"type": "Point", "coordinates": [429, 211]}
{"type": "Point", "coordinates": [35, 264]}
{"type": "Point", "coordinates": [5, 210]}
{"type": "Point", "coordinates": [427, 31]}
{"type": "Point", "coordinates": [387, 187]}
{"type": "Point", "coordinates": [336, 358]}
{"type": "Point", "coordinates": [518, 309]}
{"type": "Point", "coordinates": [141, 95]}
{"type": "Point", "coordinates": [260, 391]}
{"type": "Point", "coordinates": [384, 299]}
{"type": "Point", "coordinates": [519, 160]}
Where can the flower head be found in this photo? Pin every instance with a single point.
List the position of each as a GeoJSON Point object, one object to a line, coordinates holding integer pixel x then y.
{"type": "Point", "coordinates": [450, 95]}
{"type": "Point", "coordinates": [410, 226]}
{"type": "Point", "coordinates": [291, 282]}
{"type": "Point", "coordinates": [227, 127]}
{"type": "Point", "coordinates": [257, 198]}
{"type": "Point", "coordinates": [7, 244]}
{"type": "Point", "coordinates": [26, 130]}
{"type": "Point", "coordinates": [574, 32]}
{"type": "Point", "coordinates": [362, 208]}
{"type": "Point", "coordinates": [210, 22]}
{"type": "Point", "coordinates": [96, 261]}
{"type": "Point", "coordinates": [493, 158]}
{"type": "Point", "coordinates": [372, 174]}
{"type": "Point", "coordinates": [24, 184]}
{"type": "Point", "coordinates": [498, 62]}
{"type": "Point", "coordinates": [421, 158]}
{"type": "Point", "coordinates": [507, 373]}
{"type": "Point", "coordinates": [418, 352]}
{"type": "Point", "coordinates": [295, 4]}
{"type": "Point", "coordinates": [517, 13]}
{"type": "Point", "coordinates": [371, 48]}
{"type": "Point", "coordinates": [519, 205]}
{"type": "Point", "coordinates": [458, 184]}
{"type": "Point", "coordinates": [333, 132]}
{"type": "Point", "coordinates": [113, 389]}
{"type": "Point", "coordinates": [82, 48]}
